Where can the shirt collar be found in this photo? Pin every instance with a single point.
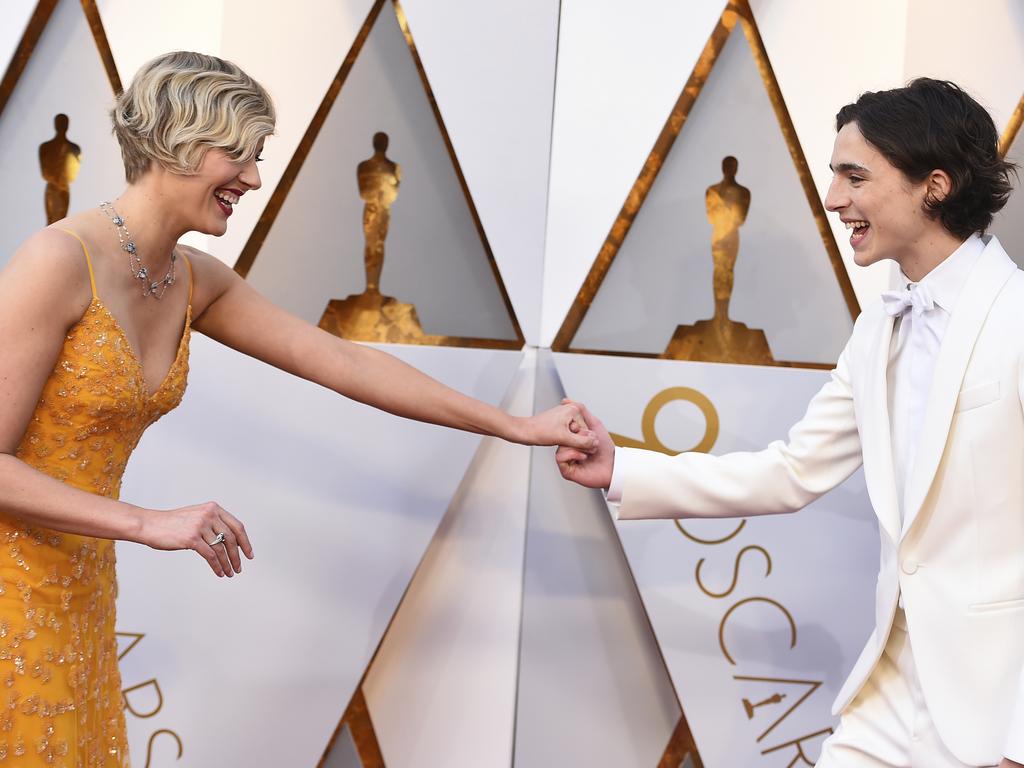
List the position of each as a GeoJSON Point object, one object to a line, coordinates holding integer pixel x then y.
{"type": "Point", "coordinates": [947, 279]}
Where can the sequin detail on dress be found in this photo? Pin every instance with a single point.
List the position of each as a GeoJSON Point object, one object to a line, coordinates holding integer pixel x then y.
{"type": "Point", "coordinates": [60, 689]}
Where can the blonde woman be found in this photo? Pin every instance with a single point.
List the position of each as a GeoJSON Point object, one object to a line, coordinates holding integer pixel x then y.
{"type": "Point", "coordinates": [96, 313]}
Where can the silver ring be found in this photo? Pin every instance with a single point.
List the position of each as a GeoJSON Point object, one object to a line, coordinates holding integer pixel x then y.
{"type": "Point", "coordinates": [218, 539]}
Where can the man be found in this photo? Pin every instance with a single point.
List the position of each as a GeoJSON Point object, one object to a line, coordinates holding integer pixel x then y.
{"type": "Point", "coordinates": [928, 396]}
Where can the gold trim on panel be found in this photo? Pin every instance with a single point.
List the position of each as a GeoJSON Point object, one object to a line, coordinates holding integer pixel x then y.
{"type": "Point", "coordinates": [735, 11]}
{"type": "Point", "coordinates": [34, 31]}
{"type": "Point", "coordinates": [92, 15]}
{"type": "Point", "coordinates": [1012, 128]}
{"type": "Point", "coordinates": [360, 725]}
{"type": "Point", "coordinates": [680, 746]}
{"type": "Point", "coordinates": [19, 59]}
{"type": "Point", "coordinates": [259, 234]}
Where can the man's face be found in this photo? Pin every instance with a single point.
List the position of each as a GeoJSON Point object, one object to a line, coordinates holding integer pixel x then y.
{"type": "Point", "coordinates": [882, 207]}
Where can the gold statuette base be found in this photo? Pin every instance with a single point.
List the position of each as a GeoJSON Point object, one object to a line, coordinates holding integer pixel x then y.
{"type": "Point", "coordinates": [371, 316]}
{"type": "Point", "coordinates": [716, 341]}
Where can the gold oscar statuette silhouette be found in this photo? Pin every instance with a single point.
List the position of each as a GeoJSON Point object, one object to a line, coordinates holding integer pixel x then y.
{"type": "Point", "coordinates": [59, 161]}
{"type": "Point", "coordinates": [721, 339]}
{"type": "Point", "coordinates": [749, 706]}
{"type": "Point", "coordinates": [371, 316]}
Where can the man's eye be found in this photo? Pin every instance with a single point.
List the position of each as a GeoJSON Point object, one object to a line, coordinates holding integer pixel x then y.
{"type": "Point", "coordinates": [856, 179]}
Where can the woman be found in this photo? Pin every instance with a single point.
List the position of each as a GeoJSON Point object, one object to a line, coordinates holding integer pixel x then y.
{"type": "Point", "coordinates": [96, 313]}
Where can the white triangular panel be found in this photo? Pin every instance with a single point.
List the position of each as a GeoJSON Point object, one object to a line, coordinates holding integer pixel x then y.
{"type": "Point", "coordinates": [823, 562]}
{"type": "Point", "coordinates": [605, 125]}
{"type": "Point", "coordinates": [442, 688]}
{"type": "Point", "coordinates": [434, 257]}
{"type": "Point", "coordinates": [662, 274]}
{"type": "Point", "coordinates": [340, 501]}
{"type": "Point", "coordinates": [64, 75]}
{"type": "Point", "coordinates": [593, 689]}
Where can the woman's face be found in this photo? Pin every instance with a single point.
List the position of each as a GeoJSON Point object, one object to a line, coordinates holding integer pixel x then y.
{"type": "Point", "coordinates": [209, 195]}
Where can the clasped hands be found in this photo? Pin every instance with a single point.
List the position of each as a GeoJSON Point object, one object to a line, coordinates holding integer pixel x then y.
{"type": "Point", "coordinates": [592, 469]}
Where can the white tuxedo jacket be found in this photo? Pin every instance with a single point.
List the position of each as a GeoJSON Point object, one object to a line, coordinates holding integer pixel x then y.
{"type": "Point", "coordinates": [959, 556]}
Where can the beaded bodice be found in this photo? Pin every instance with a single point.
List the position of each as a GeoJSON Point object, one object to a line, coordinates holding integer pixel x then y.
{"type": "Point", "coordinates": [95, 405]}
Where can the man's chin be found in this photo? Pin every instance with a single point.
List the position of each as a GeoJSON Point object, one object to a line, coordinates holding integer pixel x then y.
{"type": "Point", "coordinates": [866, 258]}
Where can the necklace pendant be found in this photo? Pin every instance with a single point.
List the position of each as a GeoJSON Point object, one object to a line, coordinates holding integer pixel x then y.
{"type": "Point", "coordinates": [130, 247]}
{"type": "Point", "coordinates": [142, 274]}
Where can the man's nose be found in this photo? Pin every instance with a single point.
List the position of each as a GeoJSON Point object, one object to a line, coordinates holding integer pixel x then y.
{"type": "Point", "coordinates": [835, 200]}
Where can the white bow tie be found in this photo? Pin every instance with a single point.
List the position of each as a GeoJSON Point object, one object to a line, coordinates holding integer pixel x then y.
{"type": "Point", "coordinates": [916, 297]}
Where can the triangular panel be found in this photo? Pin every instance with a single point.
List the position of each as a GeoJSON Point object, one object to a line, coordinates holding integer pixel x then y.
{"type": "Point", "coordinates": [63, 67]}
{"type": "Point", "coordinates": [314, 237]}
{"type": "Point", "coordinates": [728, 211]}
{"type": "Point", "coordinates": [588, 656]}
{"type": "Point", "coordinates": [441, 689]}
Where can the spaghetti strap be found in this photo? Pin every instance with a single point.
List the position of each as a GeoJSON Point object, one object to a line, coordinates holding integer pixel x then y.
{"type": "Point", "coordinates": [191, 277]}
{"type": "Point", "coordinates": [88, 260]}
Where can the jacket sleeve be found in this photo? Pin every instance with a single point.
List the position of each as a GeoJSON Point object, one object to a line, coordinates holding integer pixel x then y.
{"type": "Point", "coordinates": [822, 450]}
{"type": "Point", "coordinates": [1014, 746]}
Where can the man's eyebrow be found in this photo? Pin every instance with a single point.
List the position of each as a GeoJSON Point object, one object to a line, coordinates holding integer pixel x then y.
{"type": "Point", "coordinates": [848, 168]}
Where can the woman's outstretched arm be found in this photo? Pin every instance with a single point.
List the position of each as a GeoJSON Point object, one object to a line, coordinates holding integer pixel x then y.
{"type": "Point", "coordinates": [231, 311]}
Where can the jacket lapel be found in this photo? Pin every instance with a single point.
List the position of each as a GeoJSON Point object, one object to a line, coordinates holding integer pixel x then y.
{"type": "Point", "coordinates": [876, 436]}
{"type": "Point", "coordinates": [986, 280]}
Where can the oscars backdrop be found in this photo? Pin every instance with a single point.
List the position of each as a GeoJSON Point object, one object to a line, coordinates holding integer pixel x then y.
{"type": "Point", "coordinates": [621, 203]}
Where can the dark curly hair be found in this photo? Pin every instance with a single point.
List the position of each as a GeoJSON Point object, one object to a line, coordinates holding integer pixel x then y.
{"type": "Point", "coordinates": [934, 124]}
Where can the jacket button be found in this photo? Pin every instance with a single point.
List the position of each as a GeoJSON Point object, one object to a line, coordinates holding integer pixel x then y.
{"type": "Point", "coordinates": [909, 566]}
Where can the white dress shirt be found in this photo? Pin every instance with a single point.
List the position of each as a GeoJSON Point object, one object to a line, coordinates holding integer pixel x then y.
{"type": "Point", "coordinates": [914, 348]}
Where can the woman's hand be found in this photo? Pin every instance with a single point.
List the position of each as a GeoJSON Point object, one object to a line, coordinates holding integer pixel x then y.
{"type": "Point", "coordinates": [199, 527]}
{"type": "Point", "coordinates": [562, 425]}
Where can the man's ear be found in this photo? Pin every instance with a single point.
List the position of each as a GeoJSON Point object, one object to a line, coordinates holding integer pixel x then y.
{"type": "Point", "coordinates": [938, 185]}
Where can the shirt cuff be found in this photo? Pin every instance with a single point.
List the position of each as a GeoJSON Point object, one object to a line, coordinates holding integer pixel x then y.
{"type": "Point", "coordinates": [614, 492]}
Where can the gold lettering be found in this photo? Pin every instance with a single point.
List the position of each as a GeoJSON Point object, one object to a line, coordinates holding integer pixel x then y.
{"type": "Point", "coordinates": [650, 439]}
{"type": "Point", "coordinates": [149, 747]}
{"type": "Point", "coordinates": [745, 601]}
{"type": "Point", "coordinates": [137, 639]}
{"type": "Point", "coordinates": [736, 571]}
{"type": "Point", "coordinates": [798, 743]}
{"type": "Point", "coordinates": [699, 540]}
{"type": "Point", "coordinates": [812, 686]}
{"type": "Point", "coordinates": [140, 686]}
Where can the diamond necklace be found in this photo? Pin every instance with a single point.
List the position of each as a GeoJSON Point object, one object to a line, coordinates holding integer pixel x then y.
{"type": "Point", "coordinates": [156, 288]}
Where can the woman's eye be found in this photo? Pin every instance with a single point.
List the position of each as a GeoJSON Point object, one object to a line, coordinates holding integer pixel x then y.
{"type": "Point", "coordinates": [259, 158]}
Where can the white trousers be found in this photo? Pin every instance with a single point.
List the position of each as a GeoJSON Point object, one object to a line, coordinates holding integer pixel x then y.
{"type": "Point", "coordinates": [887, 725]}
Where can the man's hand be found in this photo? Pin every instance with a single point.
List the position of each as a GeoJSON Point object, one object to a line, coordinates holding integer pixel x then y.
{"type": "Point", "coordinates": [593, 470]}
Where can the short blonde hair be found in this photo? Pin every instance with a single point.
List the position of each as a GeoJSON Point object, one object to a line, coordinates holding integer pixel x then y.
{"type": "Point", "coordinates": [182, 104]}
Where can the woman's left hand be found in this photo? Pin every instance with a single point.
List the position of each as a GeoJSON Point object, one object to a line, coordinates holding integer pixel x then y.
{"type": "Point", "coordinates": [562, 425]}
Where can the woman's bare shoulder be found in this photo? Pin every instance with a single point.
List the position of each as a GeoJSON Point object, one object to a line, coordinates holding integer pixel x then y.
{"type": "Point", "coordinates": [212, 276]}
{"type": "Point", "coordinates": [51, 270]}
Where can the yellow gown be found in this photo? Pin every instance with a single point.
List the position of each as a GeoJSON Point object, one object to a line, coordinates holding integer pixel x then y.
{"type": "Point", "coordinates": [60, 689]}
